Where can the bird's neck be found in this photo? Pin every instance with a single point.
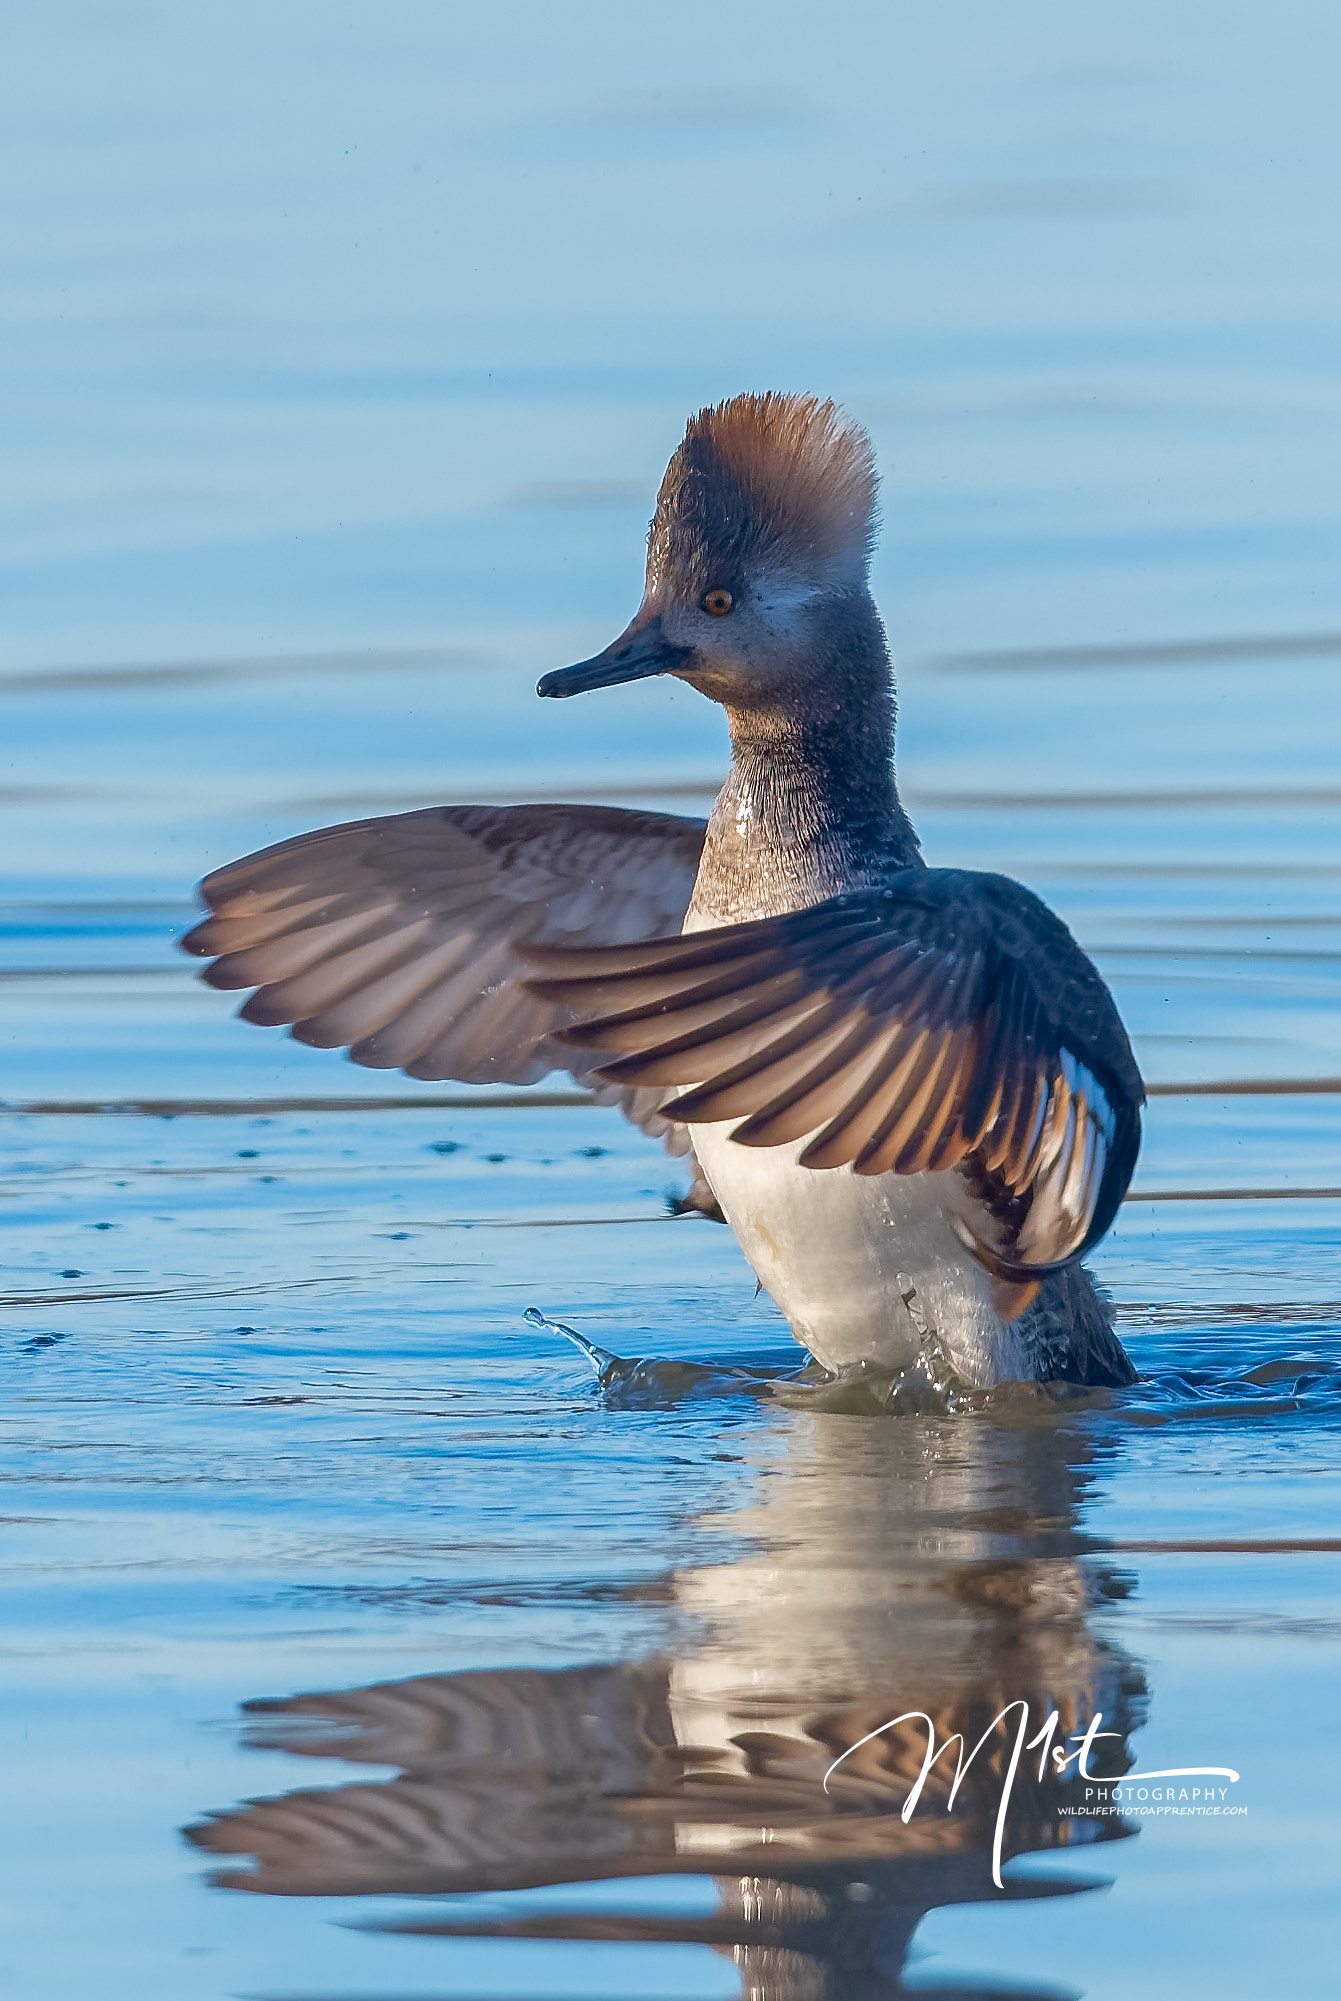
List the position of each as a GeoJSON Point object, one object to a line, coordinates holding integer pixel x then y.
{"type": "Point", "coordinates": [811, 807]}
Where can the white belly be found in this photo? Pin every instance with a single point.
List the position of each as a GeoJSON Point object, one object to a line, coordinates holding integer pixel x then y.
{"type": "Point", "coordinates": [838, 1251]}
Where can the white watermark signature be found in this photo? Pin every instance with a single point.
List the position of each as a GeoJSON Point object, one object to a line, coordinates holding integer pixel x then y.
{"type": "Point", "coordinates": [1052, 1758]}
{"type": "Point", "coordinates": [1196, 1801]}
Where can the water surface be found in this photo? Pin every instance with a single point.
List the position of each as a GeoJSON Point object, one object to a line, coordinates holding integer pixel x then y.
{"type": "Point", "coordinates": [341, 361]}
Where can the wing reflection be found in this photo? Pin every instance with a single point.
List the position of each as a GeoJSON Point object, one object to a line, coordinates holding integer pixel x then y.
{"type": "Point", "coordinates": [897, 1565]}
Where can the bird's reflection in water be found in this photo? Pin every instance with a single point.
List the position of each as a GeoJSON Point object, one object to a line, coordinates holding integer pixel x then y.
{"type": "Point", "coordinates": [897, 1564]}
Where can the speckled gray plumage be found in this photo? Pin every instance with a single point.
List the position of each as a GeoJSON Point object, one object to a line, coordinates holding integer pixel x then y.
{"type": "Point", "coordinates": [1069, 1330]}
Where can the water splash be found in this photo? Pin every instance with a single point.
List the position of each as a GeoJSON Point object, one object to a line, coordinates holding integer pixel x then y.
{"type": "Point", "coordinates": [927, 1386]}
{"type": "Point", "coordinates": [599, 1358]}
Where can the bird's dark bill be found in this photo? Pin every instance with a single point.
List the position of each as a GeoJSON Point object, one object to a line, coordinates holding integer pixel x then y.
{"type": "Point", "coordinates": [638, 653]}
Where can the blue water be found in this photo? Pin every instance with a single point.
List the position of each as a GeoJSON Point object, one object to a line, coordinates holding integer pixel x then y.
{"type": "Point", "coordinates": [340, 355]}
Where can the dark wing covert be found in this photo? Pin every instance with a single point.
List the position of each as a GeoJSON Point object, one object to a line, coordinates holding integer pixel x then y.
{"type": "Point", "coordinates": [946, 1020]}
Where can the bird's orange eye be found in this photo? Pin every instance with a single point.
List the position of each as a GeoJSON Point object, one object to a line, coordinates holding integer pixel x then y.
{"type": "Point", "coordinates": [718, 603]}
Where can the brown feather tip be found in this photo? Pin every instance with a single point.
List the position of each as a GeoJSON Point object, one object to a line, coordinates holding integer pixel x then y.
{"type": "Point", "coordinates": [1010, 1297]}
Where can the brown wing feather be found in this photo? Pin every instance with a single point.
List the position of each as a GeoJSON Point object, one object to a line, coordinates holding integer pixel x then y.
{"type": "Point", "coordinates": [904, 1126]}
{"type": "Point", "coordinates": [948, 1018]}
{"type": "Point", "coordinates": [398, 938]}
{"type": "Point", "coordinates": [826, 1083]}
{"type": "Point", "coordinates": [872, 1102]}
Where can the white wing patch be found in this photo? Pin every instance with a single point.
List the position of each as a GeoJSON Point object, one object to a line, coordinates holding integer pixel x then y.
{"type": "Point", "coordinates": [1074, 1131]}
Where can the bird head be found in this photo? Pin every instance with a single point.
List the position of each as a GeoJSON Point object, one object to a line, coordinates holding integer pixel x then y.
{"type": "Point", "coordinates": [758, 551]}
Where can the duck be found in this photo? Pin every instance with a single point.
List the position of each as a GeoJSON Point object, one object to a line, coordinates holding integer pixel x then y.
{"type": "Point", "coordinates": [906, 1089]}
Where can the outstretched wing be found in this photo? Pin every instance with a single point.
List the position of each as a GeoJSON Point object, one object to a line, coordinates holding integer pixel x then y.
{"type": "Point", "coordinates": [397, 938]}
{"type": "Point", "coordinates": [948, 1019]}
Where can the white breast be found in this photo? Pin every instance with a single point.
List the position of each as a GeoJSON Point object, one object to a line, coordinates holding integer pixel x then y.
{"type": "Point", "coordinates": [838, 1251]}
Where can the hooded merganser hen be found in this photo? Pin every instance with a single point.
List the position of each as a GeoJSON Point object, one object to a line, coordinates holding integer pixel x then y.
{"type": "Point", "coordinates": [908, 1088]}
